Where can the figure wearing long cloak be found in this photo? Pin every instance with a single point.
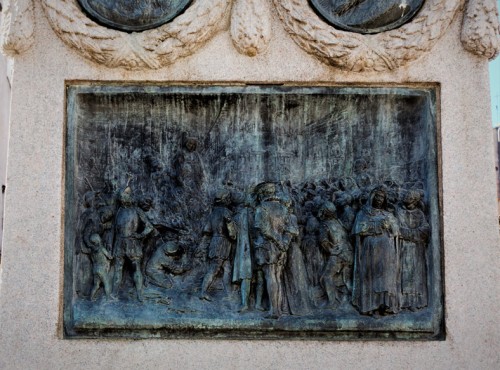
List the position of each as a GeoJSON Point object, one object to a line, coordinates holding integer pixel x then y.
{"type": "Point", "coordinates": [376, 271]}
{"type": "Point", "coordinates": [295, 275]}
{"type": "Point", "coordinates": [311, 251]}
{"type": "Point", "coordinates": [242, 268]}
{"type": "Point", "coordinates": [414, 234]}
{"type": "Point", "coordinates": [242, 264]}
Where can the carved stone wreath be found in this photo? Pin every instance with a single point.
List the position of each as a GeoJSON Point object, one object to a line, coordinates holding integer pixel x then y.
{"type": "Point", "coordinates": [149, 49]}
{"type": "Point", "coordinates": [251, 33]}
{"type": "Point", "coordinates": [356, 52]}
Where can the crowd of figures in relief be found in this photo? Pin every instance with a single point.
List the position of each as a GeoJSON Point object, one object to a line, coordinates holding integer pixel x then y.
{"type": "Point", "coordinates": [285, 248]}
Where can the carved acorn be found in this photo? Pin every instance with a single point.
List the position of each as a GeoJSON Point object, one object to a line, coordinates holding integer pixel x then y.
{"type": "Point", "coordinates": [251, 26]}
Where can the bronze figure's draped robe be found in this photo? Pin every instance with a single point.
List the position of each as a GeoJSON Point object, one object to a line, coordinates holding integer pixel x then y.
{"type": "Point", "coordinates": [242, 268]}
{"type": "Point", "coordinates": [311, 251]}
{"type": "Point", "coordinates": [414, 234]}
{"type": "Point", "coordinates": [295, 275]}
{"type": "Point", "coordinates": [376, 269]}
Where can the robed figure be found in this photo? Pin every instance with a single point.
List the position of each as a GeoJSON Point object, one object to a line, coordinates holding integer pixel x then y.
{"type": "Point", "coordinates": [414, 234]}
{"type": "Point", "coordinates": [376, 271]}
{"type": "Point", "coordinates": [242, 264]}
{"type": "Point", "coordinates": [295, 279]}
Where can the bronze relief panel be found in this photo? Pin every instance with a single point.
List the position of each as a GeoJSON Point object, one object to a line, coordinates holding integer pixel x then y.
{"type": "Point", "coordinates": [252, 211]}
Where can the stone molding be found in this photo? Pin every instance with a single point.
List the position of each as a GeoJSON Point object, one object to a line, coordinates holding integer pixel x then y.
{"type": "Point", "coordinates": [150, 49]}
{"type": "Point", "coordinates": [251, 26]}
{"type": "Point", "coordinates": [481, 28]}
{"type": "Point", "coordinates": [17, 27]}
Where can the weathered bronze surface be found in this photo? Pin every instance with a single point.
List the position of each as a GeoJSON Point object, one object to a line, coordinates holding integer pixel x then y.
{"type": "Point", "coordinates": [278, 212]}
{"type": "Point", "coordinates": [133, 15]}
{"type": "Point", "coordinates": [367, 16]}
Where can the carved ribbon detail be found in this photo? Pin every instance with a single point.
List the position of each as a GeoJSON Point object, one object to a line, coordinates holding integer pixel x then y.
{"type": "Point", "coordinates": [17, 27]}
{"type": "Point", "coordinates": [250, 26]}
{"type": "Point", "coordinates": [481, 29]}
{"type": "Point", "coordinates": [151, 49]}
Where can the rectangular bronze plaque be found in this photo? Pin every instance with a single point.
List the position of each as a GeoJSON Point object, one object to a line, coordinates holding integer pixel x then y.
{"type": "Point", "coordinates": [252, 212]}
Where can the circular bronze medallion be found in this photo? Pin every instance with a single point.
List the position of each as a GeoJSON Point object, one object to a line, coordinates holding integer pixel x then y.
{"type": "Point", "coordinates": [367, 16]}
{"type": "Point", "coordinates": [133, 15]}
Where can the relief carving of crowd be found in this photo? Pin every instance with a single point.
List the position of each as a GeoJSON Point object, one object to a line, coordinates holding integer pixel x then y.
{"type": "Point", "coordinates": [286, 248]}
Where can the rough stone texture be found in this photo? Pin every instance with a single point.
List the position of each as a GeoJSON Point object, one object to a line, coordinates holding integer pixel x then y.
{"type": "Point", "coordinates": [4, 129]}
{"type": "Point", "coordinates": [16, 32]}
{"type": "Point", "coordinates": [481, 28]}
{"type": "Point", "coordinates": [31, 271]}
{"type": "Point", "coordinates": [251, 26]}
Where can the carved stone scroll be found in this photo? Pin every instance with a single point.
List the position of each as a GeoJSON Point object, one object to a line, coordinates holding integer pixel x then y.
{"type": "Point", "coordinates": [481, 29]}
{"type": "Point", "coordinates": [355, 52]}
{"type": "Point", "coordinates": [17, 27]}
{"type": "Point", "coordinates": [251, 26]}
{"type": "Point", "coordinates": [151, 49]}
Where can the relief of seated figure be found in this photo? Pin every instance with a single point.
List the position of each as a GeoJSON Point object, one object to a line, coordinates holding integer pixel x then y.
{"type": "Point", "coordinates": [167, 260]}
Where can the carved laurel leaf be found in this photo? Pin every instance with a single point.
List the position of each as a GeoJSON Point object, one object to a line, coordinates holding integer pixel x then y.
{"type": "Point", "coordinates": [251, 26]}
{"type": "Point", "coordinates": [151, 49]}
{"type": "Point", "coordinates": [17, 27]}
{"type": "Point", "coordinates": [481, 28]}
{"type": "Point", "coordinates": [355, 52]}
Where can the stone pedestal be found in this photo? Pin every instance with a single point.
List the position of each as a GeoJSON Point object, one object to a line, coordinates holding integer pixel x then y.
{"type": "Point", "coordinates": [285, 51]}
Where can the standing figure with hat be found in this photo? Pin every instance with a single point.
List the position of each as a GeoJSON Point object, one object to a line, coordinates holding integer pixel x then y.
{"type": "Point", "coordinates": [273, 234]}
{"type": "Point", "coordinates": [221, 230]}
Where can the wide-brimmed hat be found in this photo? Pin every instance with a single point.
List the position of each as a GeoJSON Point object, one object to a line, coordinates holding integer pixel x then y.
{"type": "Point", "coordinates": [265, 188]}
{"type": "Point", "coordinates": [170, 247]}
{"type": "Point", "coordinates": [222, 195]}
